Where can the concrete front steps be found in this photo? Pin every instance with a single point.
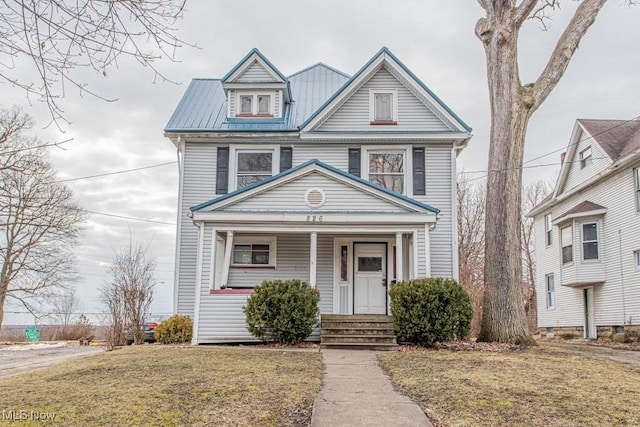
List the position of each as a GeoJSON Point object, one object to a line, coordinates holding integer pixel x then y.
{"type": "Point", "coordinates": [357, 332]}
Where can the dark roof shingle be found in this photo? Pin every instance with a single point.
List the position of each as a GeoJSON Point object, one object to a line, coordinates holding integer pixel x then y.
{"type": "Point", "coordinates": [616, 137]}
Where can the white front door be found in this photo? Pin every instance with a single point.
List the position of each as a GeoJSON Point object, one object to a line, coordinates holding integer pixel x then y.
{"type": "Point", "coordinates": [370, 287]}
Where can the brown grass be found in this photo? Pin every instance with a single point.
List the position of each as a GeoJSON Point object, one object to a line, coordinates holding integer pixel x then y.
{"type": "Point", "coordinates": [535, 387]}
{"type": "Point", "coordinates": [168, 386]}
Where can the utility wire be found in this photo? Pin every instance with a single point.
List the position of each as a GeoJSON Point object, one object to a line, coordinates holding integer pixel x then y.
{"type": "Point", "coordinates": [129, 217]}
{"type": "Point", "coordinates": [116, 172]}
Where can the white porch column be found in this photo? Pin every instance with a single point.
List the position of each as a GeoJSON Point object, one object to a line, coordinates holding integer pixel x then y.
{"type": "Point", "coordinates": [399, 259]}
{"type": "Point", "coordinates": [198, 290]}
{"type": "Point", "coordinates": [414, 255]}
{"type": "Point", "coordinates": [427, 251]}
{"type": "Point", "coordinates": [212, 261]}
{"type": "Point", "coordinates": [313, 259]}
{"type": "Point", "coordinates": [227, 259]}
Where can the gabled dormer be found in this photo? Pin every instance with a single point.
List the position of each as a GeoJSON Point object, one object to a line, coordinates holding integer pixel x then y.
{"type": "Point", "coordinates": [256, 89]}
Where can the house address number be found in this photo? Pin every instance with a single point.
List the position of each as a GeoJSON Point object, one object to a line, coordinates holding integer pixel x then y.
{"type": "Point", "coordinates": [314, 218]}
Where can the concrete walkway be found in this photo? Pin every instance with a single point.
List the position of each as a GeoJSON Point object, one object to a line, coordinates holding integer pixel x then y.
{"type": "Point", "coordinates": [630, 357]}
{"type": "Point", "coordinates": [356, 392]}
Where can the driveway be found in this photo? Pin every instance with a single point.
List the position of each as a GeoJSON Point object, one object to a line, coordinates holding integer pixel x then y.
{"type": "Point", "coordinates": [18, 359]}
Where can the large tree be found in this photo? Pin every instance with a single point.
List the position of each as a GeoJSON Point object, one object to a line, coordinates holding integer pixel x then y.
{"type": "Point", "coordinates": [39, 218]}
{"type": "Point", "coordinates": [512, 105]}
{"type": "Point", "coordinates": [53, 38]}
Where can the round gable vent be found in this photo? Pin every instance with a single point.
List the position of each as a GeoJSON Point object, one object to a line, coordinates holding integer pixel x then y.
{"type": "Point", "coordinates": [315, 198]}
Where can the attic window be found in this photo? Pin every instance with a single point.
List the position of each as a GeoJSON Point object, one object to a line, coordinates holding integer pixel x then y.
{"type": "Point", "coordinates": [585, 157]}
{"type": "Point", "coordinates": [255, 105]}
{"type": "Point", "coordinates": [383, 107]}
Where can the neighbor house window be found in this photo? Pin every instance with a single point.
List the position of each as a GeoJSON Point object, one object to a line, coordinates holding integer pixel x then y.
{"type": "Point", "coordinates": [636, 180]}
{"type": "Point", "coordinates": [550, 290]}
{"type": "Point", "coordinates": [383, 107]}
{"type": "Point", "coordinates": [387, 169]}
{"type": "Point", "coordinates": [253, 166]}
{"type": "Point", "coordinates": [585, 157]}
{"type": "Point", "coordinates": [590, 241]}
{"type": "Point", "coordinates": [255, 104]}
{"type": "Point", "coordinates": [636, 257]}
{"type": "Point", "coordinates": [548, 229]}
{"type": "Point", "coordinates": [566, 236]}
{"type": "Point", "coordinates": [253, 251]}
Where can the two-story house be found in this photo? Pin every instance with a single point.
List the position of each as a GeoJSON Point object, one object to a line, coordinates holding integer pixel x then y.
{"type": "Point", "coordinates": [346, 182]}
{"type": "Point", "coordinates": [587, 234]}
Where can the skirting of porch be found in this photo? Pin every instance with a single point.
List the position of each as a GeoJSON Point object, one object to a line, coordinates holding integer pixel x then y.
{"type": "Point", "coordinates": [357, 332]}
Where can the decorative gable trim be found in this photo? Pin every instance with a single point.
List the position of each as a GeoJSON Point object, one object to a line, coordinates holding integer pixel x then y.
{"type": "Point", "coordinates": [254, 56]}
{"type": "Point", "coordinates": [384, 58]}
{"type": "Point", "coordinates": [308, 167]}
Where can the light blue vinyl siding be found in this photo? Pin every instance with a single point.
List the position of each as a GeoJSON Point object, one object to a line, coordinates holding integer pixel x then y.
{"type": "Point", "coordinates": [413, 115]}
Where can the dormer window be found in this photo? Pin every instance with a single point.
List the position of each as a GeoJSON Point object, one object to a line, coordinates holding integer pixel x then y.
{"type": "Point", "coordinates": [255, 105]}
{"type": "Point", "coordinates": [383, 107]}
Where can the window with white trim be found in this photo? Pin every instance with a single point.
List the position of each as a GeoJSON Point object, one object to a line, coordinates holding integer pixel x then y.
{"type": "Point", "coordinates": [566, 238]}
{"type": "Point", "coordinates": [249, 251]}
{"type": "Point", "coordinates": [548, 230]}
{"type": "Point", "coordinates": [636, 258]}
{"type": "Point", "coordinates": [255, 104]}
{"type": "Point", "coordinates": [585, 157]}
{"type": "Point", "coordinates": [636, 181]}
{"type": "Point", "coordinates": [590, 241]}
{"type": "Point", "coordinates": [252, 166]}
{"type": "Point", "coordinates": [387, 168]}
{"type": "Point", "coordinates": [550, 290]}
{"type": "Point", "coordinates": [383, 106]}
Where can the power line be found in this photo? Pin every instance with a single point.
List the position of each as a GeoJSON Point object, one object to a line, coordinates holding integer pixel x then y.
{"type": "Point", "coordinates": [116, 172]}
{"type": "Point", "coordinates": [548, 153]}
{"type": "Point", "coordinates": [130, 218]}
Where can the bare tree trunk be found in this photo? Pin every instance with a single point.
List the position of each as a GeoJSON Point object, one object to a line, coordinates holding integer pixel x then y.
{"type": "Point", "coordinates": [512, 104]}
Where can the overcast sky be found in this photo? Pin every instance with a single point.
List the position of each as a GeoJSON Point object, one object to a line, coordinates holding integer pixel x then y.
{"type": "Point", "coordinates": [435, 39]}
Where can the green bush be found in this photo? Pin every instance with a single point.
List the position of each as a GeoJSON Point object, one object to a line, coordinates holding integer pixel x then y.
{"type": "Point", "coordinates": [284, 311]}
{"type": "Point", "coordinates": [176, 329]}
{"type": "Point", "coordinates": [427, 311]}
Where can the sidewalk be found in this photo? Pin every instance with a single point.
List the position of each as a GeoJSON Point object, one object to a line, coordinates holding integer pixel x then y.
{"type": "Point", "coordinates": [356, 392]}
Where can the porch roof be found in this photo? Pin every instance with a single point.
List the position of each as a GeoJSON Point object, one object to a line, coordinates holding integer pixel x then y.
{"type": "Point", "coordinates": [313, 164]}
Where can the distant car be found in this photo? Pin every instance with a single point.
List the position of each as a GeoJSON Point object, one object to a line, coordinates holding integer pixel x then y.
{"type": "Point", "coordinates": [150, 324]}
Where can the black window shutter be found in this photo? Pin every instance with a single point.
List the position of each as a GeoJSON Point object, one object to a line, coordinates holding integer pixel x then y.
{"type": "Point", "coordinates": [418, 171]}
{"type": "Point", "coordinates": [354, 161]}
{"type": "Point", "coordinates": [222, 171]}
{"type": "Point", "coordinates": [285, 158]}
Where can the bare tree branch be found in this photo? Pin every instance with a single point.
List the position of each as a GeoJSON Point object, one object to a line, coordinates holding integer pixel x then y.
{"type": "Point", "coordinates": [59, 36]}
{"type": "Point", "coordinates": [39, 219]}
{"type": "Point", "coordinates": [580, 23]}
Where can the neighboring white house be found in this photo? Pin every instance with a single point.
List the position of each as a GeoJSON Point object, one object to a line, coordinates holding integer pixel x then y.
{"type": "Point", "coordinates": [587, 234]}
{"type": "Point", "coordinates": [346, 182]}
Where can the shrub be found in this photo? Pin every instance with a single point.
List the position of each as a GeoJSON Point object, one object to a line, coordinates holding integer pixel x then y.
{"type": "Point", "coordinates": [284, 311]}
{"type": "Point", "coordinates": [426, 311]}
{"type": "Point", "coordinates": [176, 329]}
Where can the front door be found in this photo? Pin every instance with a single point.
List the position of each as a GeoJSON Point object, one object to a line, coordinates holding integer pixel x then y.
{"type": "Point", "coordinates": [370, 281]}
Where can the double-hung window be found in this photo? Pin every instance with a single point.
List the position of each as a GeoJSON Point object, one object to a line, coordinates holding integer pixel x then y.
{"type": "Point", "coordinates": [566, 238]}
{"type": "Point", "coordinates": [585, 157]}
{"type": "Point", "coordinates": [550, 290]}
{"type": "Point", "coordinates": [254, 252]}
{"type": "Point", "coordinates": [253, 166]}
{"type": "Point", "coordinates": [636, 182]}
{"type": "Point", "coordinates": [387, 169]}
{"type": "Point", "coordinates": [636, 259]}
{"type": "Point", "coordinates": [255, 104]}
{"type": "Point", "coordinates": [383, 106]}
{"type": "Point", "coordinates": [548, 230]}
{"type": "Point", "coordinates": [590, 241]}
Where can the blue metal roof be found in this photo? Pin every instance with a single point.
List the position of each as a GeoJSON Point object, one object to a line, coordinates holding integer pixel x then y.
{"type": "Point", "coordinates": [324, 166]}
{"type": "Point", "coordinates": [203, 106]}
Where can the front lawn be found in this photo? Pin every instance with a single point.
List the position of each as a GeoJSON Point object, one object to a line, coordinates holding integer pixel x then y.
{"type": "Point", "coordinates": [534, 387]}
{"type": "Point", "coordinates": [167, 386]}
